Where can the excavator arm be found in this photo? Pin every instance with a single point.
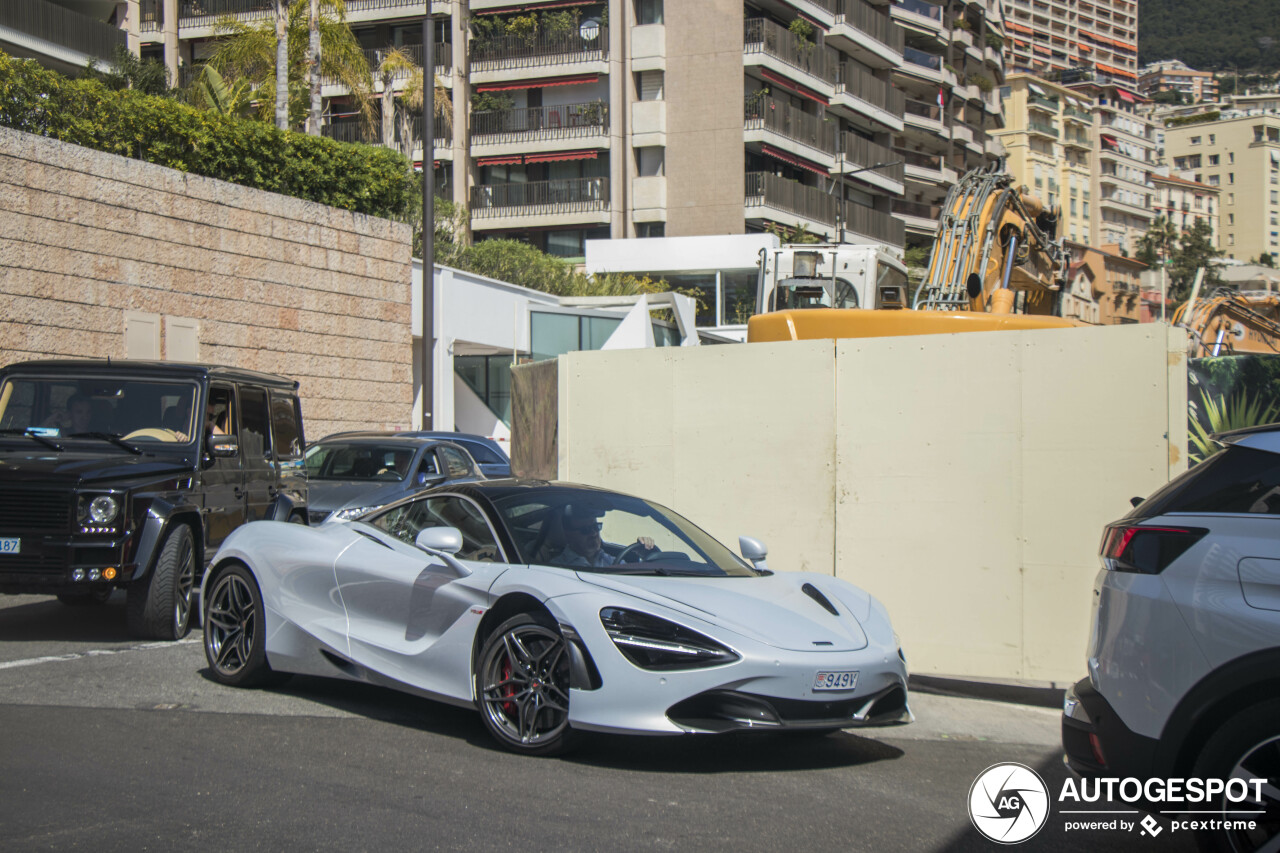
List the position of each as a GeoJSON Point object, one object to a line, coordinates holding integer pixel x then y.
{"type": "Point", "coordinates": [1229, 323]}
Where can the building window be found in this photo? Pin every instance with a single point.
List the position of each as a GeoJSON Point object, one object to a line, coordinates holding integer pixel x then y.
{"type": "Point", "coordinates": [1213, 139]}
{"type": "Point", "coordinates": [1213, 159]}
{"type": "Point", "coordinates": [648, 12]}
{"type": "Point", "coordinates": [649, 85]}
{"type": "Point", "coordinates": [1195, 140]}
{"type": "Point", "coordinates": [651, 161]}
{"type": "Point", "coordinates": [1231, 177]}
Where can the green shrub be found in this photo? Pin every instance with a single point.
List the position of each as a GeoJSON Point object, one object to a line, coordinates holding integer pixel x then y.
{"type": "Point", "coordinates": [359, 178]}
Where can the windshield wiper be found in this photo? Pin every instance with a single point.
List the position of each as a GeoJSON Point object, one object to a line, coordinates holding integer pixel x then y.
{"type": "Point", "coordinates": [52, 445]}
{"type": "Point", "coordinates": [108, 436]}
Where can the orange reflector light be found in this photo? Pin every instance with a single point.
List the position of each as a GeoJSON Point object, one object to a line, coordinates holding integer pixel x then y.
{"type": "Point", "coordinates": [109, 574]}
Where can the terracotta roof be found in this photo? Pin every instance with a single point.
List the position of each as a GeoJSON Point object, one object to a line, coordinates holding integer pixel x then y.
{"type": "Point", "coordinates": [1170, 179]}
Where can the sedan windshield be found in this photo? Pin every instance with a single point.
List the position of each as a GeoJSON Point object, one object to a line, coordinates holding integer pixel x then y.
{"type": "Point", "coordinates": [105, 410]}
{"type": "Point", "coordinates": [608, 533]}
{"type": "Point", "coordinates": [358, 461]}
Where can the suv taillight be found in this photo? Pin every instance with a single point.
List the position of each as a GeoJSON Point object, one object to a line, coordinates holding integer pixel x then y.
{"type": "Point", "coordinates": [1148, 550]}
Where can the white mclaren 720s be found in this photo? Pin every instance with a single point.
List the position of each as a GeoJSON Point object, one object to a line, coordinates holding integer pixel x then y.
{"type": "Point", "coordinates": [553, 609]}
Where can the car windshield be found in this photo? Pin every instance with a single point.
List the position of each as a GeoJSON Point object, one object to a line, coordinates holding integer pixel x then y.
{"type": "Point", "coordinates": [99, 408]}
{"type": "Point", "coordinates": [613, 534]}
{"type": "Point", "coordinates": [358, 461]}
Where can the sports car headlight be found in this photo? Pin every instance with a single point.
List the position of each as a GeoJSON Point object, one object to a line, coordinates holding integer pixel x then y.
{"type": "Point", "coordinates": [653, 643]}
{"type": "Point", "coordinates": [351, 512]}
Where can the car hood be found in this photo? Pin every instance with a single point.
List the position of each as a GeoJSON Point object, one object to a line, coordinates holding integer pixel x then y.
{"type": "Point", "coordinates": [329, 495]}
{"type": "Point", "coordinates": [71, 468]}
{"type": "Point", "coordinates": [771, 609]}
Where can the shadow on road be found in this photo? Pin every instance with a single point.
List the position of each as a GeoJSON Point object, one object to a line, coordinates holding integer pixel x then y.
{"type": "Point", "coordinates": [45, 619]}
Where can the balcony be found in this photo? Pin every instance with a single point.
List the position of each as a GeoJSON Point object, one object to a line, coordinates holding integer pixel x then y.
{"type": "Point", "coordinates": [355, 131]}
{"type": "Point", "coordinates": [860, 154]}
{"type": "Point", "coordinates": [918, 62]}
{"type": "Point", "coordinates": [1037, 102]}
{"type": "Point", "coordinates": [443, 56]}
{"type": "Point", "coordinates": [868, 95]}
{"type": "Point", "coordinates": [878, 227]}
{"type": "Point", "coordinates": [562, 199]}
{"type": "Point", "coordinates": [921, 114]}
{"type": "Point", "coordinates": [506, 52]}
{"type": "Point", "coordinates": [917, 217]}
{"type": "Point", "coordinates": [1076, 139]}
{"type": "Point", "coordinates": [774, 41]}
{"type": "Point", "coordinates": [1043, 128]}
{"type": "Point", "coordinates": [541, 124]}
{"type": "Point", "coordinates": [926, 168]}
{"type": "Point", "coordinates": [150, 16]}
{"type": "Point", "coordinates": [1125, 204]}
{"type": "Point", "coordinates": [793, 124]}
{"type": "Point", "coordinates": [1077, 115]}
{"type": "Point", "coordinates": [766, 190]}
{"type": "Point", "coordinates": [62, 28]}
{"type": "Point", "coordinates": [866, 33]}
{"type": "Point", "coordinates": [919, 14]}
{"type": "Point", "coordinates": [203, 13]}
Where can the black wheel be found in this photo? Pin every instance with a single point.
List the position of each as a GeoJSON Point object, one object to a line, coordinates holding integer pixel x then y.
{"type": "Point", "coordinates": [234, 633]}
{"type": "Point", "coordinates": [85, 599]}
{"type": "Point", "coordinates": [522, 682]}
{"type": "Point", "coordinates": [159, 603]}
{"type": "Point", "coordinates": [1246, 747]}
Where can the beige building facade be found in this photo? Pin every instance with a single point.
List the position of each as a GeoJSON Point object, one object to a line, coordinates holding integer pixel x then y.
{"type": "Point", "coordinates": [1241, 158]}
{"type": "Point", "coordinates": [1100, 37]}
{"type": "Point", "coordinates": [1123, 158]}
{"type": "Point", "coordinates": [1115, 279]}
{"type": "Point", "coordinates": [1185, 202]}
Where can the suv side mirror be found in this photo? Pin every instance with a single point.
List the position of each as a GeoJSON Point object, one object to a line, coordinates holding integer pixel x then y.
{"type": "Point", "coordinates": [223, 446]}
{"type": "Point", "coordinates": [755, 552]}
{"type": "Point", "coordinates": [425, 479]}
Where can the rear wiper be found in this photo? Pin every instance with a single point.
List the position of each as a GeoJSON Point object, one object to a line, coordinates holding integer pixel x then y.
{"type": "Point", "coordinates": [52, 445]}
{"type": "Point", "coordinates": [108, 436]}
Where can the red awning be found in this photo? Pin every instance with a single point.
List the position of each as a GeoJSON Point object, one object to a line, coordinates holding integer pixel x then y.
{"type": "Point", "coordinates": [1109, 141]}
{"type": "Point", "coordinates": [531, 4]}
{"type": "Point", "coordinates": [499, 161]}
{"type": "Point", "coordinates": [554, 156]}
{"type": "Point", "coordinates": [799, 162]}
{"type": "Point", "coordinates": [538, 83]}
{"type": "Point", "coordinates": [803, 91]}
{"type": "Point", "coordinates": [1124, 96]}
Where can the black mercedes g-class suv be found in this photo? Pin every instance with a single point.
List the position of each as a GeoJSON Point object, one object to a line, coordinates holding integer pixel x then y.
{"type": "Point", "coordinates": [131, 473]}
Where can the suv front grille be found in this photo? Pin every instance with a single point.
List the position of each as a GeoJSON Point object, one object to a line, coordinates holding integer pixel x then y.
{"type": "Point", "coordinates": [32, 512]}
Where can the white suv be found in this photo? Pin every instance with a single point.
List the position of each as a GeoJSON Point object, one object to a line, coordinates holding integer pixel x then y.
{"type": "Point", "coordinates": [1184, 652]}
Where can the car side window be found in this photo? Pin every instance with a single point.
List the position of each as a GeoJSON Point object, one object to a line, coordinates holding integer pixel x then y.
{"type": "Point", "coordinates": [255, 423]}
{"type": "Point", "coordinates": [406, 521]}
{"type": "Point", "coordinates": [286, 430]}
{"type": "Point", "coordinates": [455, 462]}
{"type": "Point", "coordinates": [429, 466]}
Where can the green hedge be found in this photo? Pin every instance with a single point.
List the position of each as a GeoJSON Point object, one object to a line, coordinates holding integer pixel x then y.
{"type": "Point", "coordinates": [361, 178]}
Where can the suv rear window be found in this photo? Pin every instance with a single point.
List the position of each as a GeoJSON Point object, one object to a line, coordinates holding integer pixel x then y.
{"type": "Point", "coordinates": [1237, 480]}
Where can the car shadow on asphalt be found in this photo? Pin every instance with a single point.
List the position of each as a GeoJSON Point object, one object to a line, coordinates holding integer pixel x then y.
{"type": "Point", "coordinates": [45, 619]}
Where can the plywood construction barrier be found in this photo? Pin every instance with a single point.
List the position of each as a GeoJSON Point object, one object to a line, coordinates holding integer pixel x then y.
{"type": "Point", "coordinates": [962, 479]}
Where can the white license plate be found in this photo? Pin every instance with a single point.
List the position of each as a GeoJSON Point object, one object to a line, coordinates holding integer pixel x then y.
{"type": "Point", "coordinates": [10, 546]}
{"type": "Point", "coordinates": [836, 680]}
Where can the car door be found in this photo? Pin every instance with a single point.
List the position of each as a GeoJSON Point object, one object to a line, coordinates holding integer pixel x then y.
{"type": "Point", "coordinates": [409, 613]}
{"type": "Point", "coordinates": [260, 484]}
{"type": "Point", "coordinates": [221, 478]}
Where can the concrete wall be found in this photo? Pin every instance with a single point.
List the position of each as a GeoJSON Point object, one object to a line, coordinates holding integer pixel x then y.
{"type": "Point", "coordinates": [962, 479]}
{"type": "Point", "coordinates": [265, 281]}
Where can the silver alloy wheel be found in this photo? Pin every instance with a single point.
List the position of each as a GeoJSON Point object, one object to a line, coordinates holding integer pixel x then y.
{"type": "Point", "coordinates": [186, 580]}
{"type": "Point", "coordinates": [230, 623]}
{"type": "Point", "coordinates": [1260, 762]}
{"type": "Point", "coordinates": [525, 685]}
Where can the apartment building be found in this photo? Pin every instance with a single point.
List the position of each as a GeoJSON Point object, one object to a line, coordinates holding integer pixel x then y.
{"type": "Point", "coordinates": [64, 35]}
{"type": "Point", "coordinates": [1049, 138]}
{"type": "Point", "coordinates": [1049, 36]}
{"type": "Point", "coordinates": [1123, 157]}
{"type": "Point", "coordinates": [1115, 281]}
{"type": "Point", "coordinates": [1174, 76]}
{"type": "Point", "coordinates": [632, 118]}
{"type": "Point", "coordinates": [949, 78]}
{"type": "Point", "coordinates": [1240, 156]}
{"type": "Point", "coordinates": [1185, 202]}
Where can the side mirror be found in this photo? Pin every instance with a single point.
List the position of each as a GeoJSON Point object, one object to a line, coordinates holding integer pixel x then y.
{"type": "Point", "coordinates": [755, 551]}
{"type": "Point", "coordinates": [223, 446]}
{"type": "Point", "coordinates": [425, 479]}
{"type": "Point", "coordinates": [446, 539]}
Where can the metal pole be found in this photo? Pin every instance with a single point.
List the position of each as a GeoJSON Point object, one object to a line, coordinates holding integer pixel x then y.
{"type": "Point", "coordinates": [1164, 288]}
{"type": "Point", "coordinates": [428, 219]}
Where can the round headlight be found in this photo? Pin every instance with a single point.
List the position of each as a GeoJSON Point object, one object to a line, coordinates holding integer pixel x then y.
{"type": "Point", "coordinates": [103, 509]}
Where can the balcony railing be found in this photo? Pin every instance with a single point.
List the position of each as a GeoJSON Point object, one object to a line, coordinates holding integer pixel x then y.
{"type": "Point", "coordinates": [867, 87]}
{"type": "Point", "coordinates": [919, 58]}
{"type": "Point", "coordinates": [933, 112]}
{"type": "Point", "coordinates": [917, 209]}
{"type": "Point", "coordinates": [919, 159]}
{"type": "Point", "coordinates": [761, 36]}
{"type": "Point", "coordinates": [793, 123]}
{"type": "Point", "coordinates": [1042, 127]}
{"type": "Point", "coordinates": [863, 152]}
{"type": "Point", "coordinates": [922, 8]}
{"type": "Point", "coordinates": [507, 51]}
{"type": "Point", "coordinates": [190, 11]}
{"type": "Point", "coordinates": [769, 190]}
{"type": "Point", "coordinates": [355, 131]}
{"type": "Point", "coordinates": [569, 195]}
{"type": "Point", "coordinates": [555, 122]}
{"type": "Point", "coordinates": [1043, 103]}
{"type": "Point", "coordinates": [150, 16]}
{"type": "Point", "coordinates": [862, 16]}
{"type": "Point", "coordinates": [881, 227]}
{"type": "Point", "coordinates": [443, 57]}
{"type": "Point", "coordinates": [62, 27]}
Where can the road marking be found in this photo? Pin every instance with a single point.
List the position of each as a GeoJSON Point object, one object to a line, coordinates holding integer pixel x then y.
{"type": "Point", "coordinates": [141, 647]}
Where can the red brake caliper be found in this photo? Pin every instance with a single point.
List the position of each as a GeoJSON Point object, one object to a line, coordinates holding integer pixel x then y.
{"type": "Point", "coordinates": [509, 691]}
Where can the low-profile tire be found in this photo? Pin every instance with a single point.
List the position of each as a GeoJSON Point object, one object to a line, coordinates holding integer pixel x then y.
{"type": "Point", "coordinates": [85, 599]}
{"type": "Point", "coordinates": [1246, 746]}
{"type": "Point", "coordinates": [159, 602]}
{"type": "Point", "coordinates": [235, 633]}
{"type": "Point", "coordinates": [522, 685]}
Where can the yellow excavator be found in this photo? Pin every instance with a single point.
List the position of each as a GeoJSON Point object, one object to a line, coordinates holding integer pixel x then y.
{"type": "Point", "coordinates": [1230, 322]}
{"type": "Point", "coordinates": [996, 264]}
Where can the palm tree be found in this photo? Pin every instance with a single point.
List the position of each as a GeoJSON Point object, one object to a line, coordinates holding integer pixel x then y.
{"type": "Point", "coordinates": [313, 64]}
{"type": "Point", "coordinates": [397, 63]}
{"type": "Point", "coordinates": [251, 53]}
{"type": "Point", "coordinates": [1159, 243]}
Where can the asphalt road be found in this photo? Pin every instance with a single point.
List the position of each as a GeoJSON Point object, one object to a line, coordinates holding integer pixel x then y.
{"type": "Point", "coordinates": [107, 744]}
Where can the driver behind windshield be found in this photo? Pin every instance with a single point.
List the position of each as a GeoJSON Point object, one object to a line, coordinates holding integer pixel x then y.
{"type": "Point", "coordinates": [582, 545]}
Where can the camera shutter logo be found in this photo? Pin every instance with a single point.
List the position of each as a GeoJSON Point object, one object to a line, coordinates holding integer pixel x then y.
{"type": "Point", "coordinates": [1008, 803]}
